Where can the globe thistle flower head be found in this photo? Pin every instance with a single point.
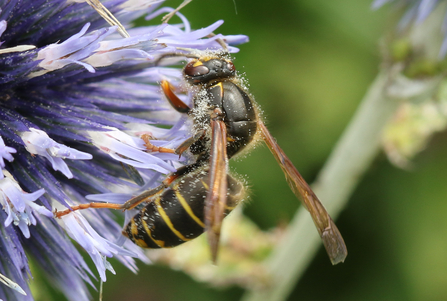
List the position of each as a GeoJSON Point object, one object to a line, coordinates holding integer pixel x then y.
{"type": "Point", "coordinates": [75, 100]}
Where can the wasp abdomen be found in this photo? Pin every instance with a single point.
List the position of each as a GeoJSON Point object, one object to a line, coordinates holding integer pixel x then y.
{"type": "Point", "coordinates": [177, 215]}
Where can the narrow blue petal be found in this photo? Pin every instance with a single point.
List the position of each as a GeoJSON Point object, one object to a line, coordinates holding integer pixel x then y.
{"type": "Point", "coordinates": [64, 266]}
{"type": "Point", "coordinates": [13, 263]}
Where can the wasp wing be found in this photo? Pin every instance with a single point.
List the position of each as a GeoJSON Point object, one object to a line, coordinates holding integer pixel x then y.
{"type": "Point", "coordinates": [217, 194]}
{"type": "Point", "coordinates": [332, 239]}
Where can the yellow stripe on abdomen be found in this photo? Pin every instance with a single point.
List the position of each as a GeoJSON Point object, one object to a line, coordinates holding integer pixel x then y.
{"type": "Point", "coordinates": [188, 209]}
{"type": "Point", "coordinates": [159, 243]}
{"type": "Point", "coordinates": [134, 231]}
{"type": "Point", "coordinates": [168, 222]}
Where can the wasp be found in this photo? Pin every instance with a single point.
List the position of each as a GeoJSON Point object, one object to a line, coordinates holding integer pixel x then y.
{"type": "Point", "coordinates": [197, 197]}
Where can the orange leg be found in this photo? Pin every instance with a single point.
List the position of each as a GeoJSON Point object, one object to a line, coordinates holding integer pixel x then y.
{"type": "Point", "coordinates": [173, 99]}
{"type": "Point", "coordinates": [179, 150]}
{"type": "Point", "coordinates": [59, 214]}
{"type": "Point", "coordinates": [152, 148]}
{"type": "Point", "coordinates": [188, 142]}
{"type": "Point", "coordinates": [146, 196]}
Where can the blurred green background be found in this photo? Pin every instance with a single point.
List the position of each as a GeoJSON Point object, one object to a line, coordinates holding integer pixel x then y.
{"type": "Point", "coordinates": [309, 63]}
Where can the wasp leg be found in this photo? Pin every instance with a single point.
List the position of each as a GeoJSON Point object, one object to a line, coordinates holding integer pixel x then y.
{"type": "Point", "coordinates": [179, 150]}
{"type": "Point", "coordinates": [149, 194]}
{"type": "Point", "coordinates": [188, 142]}
{"type": "Point", "coordinates": [152, 148]}
{"type": "Point", "coordinates": [59, 214]}
{"type": "Point", "coordinates": [146, 196]}
{"type": "Point", "coordinates": [173, 99]}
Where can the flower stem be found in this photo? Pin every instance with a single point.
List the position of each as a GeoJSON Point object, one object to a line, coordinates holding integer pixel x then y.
{"type": "Point", "coordinates": [349, 160]}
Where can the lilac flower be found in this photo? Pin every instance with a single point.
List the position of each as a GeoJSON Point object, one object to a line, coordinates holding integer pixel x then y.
{"type": "Point", "coordinates": [20, 205]}
{"type": "Point", "coordinates": [75, 99]}
{"type": "Point", "coordinates": [37, 142]}
{"type": "Point", "coordinates": [5, 154]}
{"type": "Point", "coordinates": [417, 11]}
{"type": "Point", "coordinates": [97, 247]}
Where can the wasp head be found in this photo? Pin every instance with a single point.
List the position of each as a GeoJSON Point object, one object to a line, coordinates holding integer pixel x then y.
{"type": "Point", "coordinates": [202, 71]}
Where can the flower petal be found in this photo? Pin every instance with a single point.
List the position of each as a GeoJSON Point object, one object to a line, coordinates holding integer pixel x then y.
{"type": "Point", "coordinates": [20, 205]}
{"type": "Point", "coordinates": [39, 143]}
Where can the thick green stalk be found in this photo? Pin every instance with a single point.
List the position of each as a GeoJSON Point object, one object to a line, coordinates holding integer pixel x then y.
{"type": "Point", "coordinates": [349, 160]}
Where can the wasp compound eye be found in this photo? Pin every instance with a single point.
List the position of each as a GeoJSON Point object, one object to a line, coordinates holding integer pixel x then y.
{"type": "Point", "coordinates": [194, 71]}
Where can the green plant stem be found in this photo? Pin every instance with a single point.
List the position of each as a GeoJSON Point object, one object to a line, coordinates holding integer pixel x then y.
{"type": "Point", "coordinates": [349, 160]}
